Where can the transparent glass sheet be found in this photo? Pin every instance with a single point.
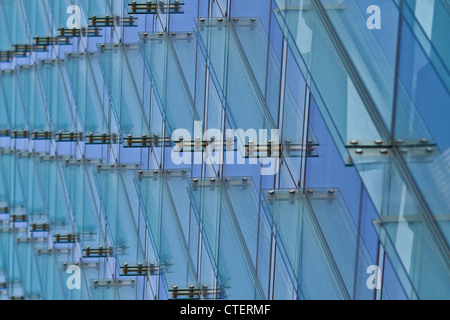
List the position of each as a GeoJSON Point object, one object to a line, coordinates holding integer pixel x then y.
{"type": "Point", "coordinates": [169, 83]}
{"type": "Point", "coordinates": [166, 231]}
{"type": "Point", "coordinates": [67, 270]}
{"type": "Point", "coordinates": [56, 200]}
{"type": "Point", "coordinates": [349, 21]}
{"type": "Point", "coordinates": [339, 93]}
{"type": "Point", "coordinates": [266, 67]}
{"type": "Point", "coordinates": [340, 232]}
{"type": "Point", "coordinates": [119, 216]}
{"type": "Point", "coordinates": [225, 243]}
{"type": "Point", "coordinates": [21, 274]}
{"type": "Point", "coordinates": [33, 100]}
{"type": "Point", "coordinates": [103, 8]}
{"type": "Point", "coordinates": [49, 273]}
{"type": "Point", "coordinates": [16, 22]}
{"type": "Point", "coordinates": [37, 16]}
{"type": "Point", "coordinates": [428, 19]}
{"type": "Point", "coordinates": [414, 257]}
{"type": "Point", "coordinates": [56, 91]}
{"type": "Point", "coordinates": [118, 63]}
{"type": "Point", "coordinates": [232, 76]}
{"type": "Point", "coordinates": [12, 186]}
{"type": "Point", "coordinates": [185, 46]}
{"type": "Point", "coordinates": [302, 246]}
{"type": "Point", "coordinates": [61, 12]}
{"type": "Point", "coordinates": [114, 289]}
{"type": "Point", "coordinates": [431, 173]}
{"type": "Point", "coordinates": [86, 210]}
{"type": "Point", "coordinates": [87, 86]}
{"type": "Point", "coordinates": [13, 101]}
{"type": "Point", "coordinates": [244, 201]}
{"type": "Point", "coordinates": [395, 200]}
{"type": "Point", "coordinates": [27, 175]}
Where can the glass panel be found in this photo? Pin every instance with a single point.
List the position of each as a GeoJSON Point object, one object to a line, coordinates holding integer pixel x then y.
{"type": "Point", "coordinates": [33, 100]}
{"type": "Point", "coordinates": [16, 22]}
{"type": "Point", "coordinates": [13, 101]}
{"type": "Point", "coordinates": [56, 200]}
{"type": "Point", "coordinates": [118, 63]}
{"type": "Point", "coordinates": [167, 235]}
{"type": "Point", "coordinates": [87, 84]}
{"type": "Point", "coordinates": [26, 173]}
{"type": "Point", "coordinates": [337, 89]}
{"type": "Point", "coordinates": [56, 94]}
{"type": "Point", "coordinates": [120, 219]}
{"type": "Point", "coordinates": [14, 192]}
{"type": "Point", "coordinates": [38, 19]}
{"type": "Point", "coordinates": [244, 201]}
{"type": "Point", "coordinates": [348, 19]}
{"type": "Point", "coordinates": [172, 91]}
{"type": "Point", "coordinates": [49, 273]}
{"type": "Point", "coordinates": [266, 67]}
{"type": "Point", "coordinates": [68, 269]}
{"type": "Point", "coordinates": [428, 19]}
{"type": "Point", "coordinates": [85, 208]}
{"type": "Point", "coordinates": [421, 130]}
{"type": "Point", "coordinates": [340, 232]}
{"type": "Point", "coordinates": [114, 289]}
{"type": "Point", "coordinates": [103, 8]}
{"type": "Point", "coordinates": [302, 246]}
{"type": "Point", "coordinates": [59, 10]}
{"type": "Point", "coordinates": [414, 257]}
{"type": "Point", "coordinates": [233, 78]}
{"type": "Point", "coordinates": [225, 244]}
{"type": "Point", "coordinates": [396, 201]}
{"type": "Point", "coordinates": [185, 46]}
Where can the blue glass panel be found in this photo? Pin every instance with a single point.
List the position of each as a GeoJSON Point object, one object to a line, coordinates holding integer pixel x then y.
{"type": "Point", "coordinates": [225, 243]}
{"type": "Point", "coordinates": [118, 62]}
{"type": "Point", "coordinates": [167, 235]}
{"type": "Point", "coordinates": [340, 232]}
{"type": "Point", "coordinates": [120, 219]}
{"type": "Point", "coordinates": [169, 83]}
{"type": "Point", "coordinates": [336, 87]}
{"type": "Point", "coordinates": [56, 92]}
{"type": "Point", "coordinates": [87, 88]}
{"type": "Point", "coordinates": [302, 246]}
{"type": "Point", "coordinates": [33, 100]}
{"type": "Point", "coordinates": [245, 105]}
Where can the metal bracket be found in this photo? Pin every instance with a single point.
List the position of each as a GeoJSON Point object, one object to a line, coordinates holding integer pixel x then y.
{"type": "Point", "coordinates": [145, 141]}
{"type": "Point", "coordinates": [99, 252]}
{"type": "Point", "coordinates": [25, 48]}
{"type": "Point", "coordinates": [47, 41]}
{"type": "Point", "coordinates": [17, 218]}
{"type": "Point", "coordinates": [108, 21]}
{"type": "Point", "coordinates": [108, 283]}
{"type": "Point", "coordinates": [140, 269]}
{"type": "Point", "coordinates": [40, 227]}
{"type": "Point", "coordinates": [71, 136]}
{"type": "Point", "coordinates": [192, 291]}
{"type": "Point", "coordinates": [84, 32]}
{"type": "Point", "coordinates": [67, 238]}
{"type": "Point", "coordinates": [149, 7]}
{"type": "Point", "coordinates": [45, 135]}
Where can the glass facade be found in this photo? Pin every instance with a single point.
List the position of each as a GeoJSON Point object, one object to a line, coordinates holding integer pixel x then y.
{"type": "Point", "coordinates": [227, 149]}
